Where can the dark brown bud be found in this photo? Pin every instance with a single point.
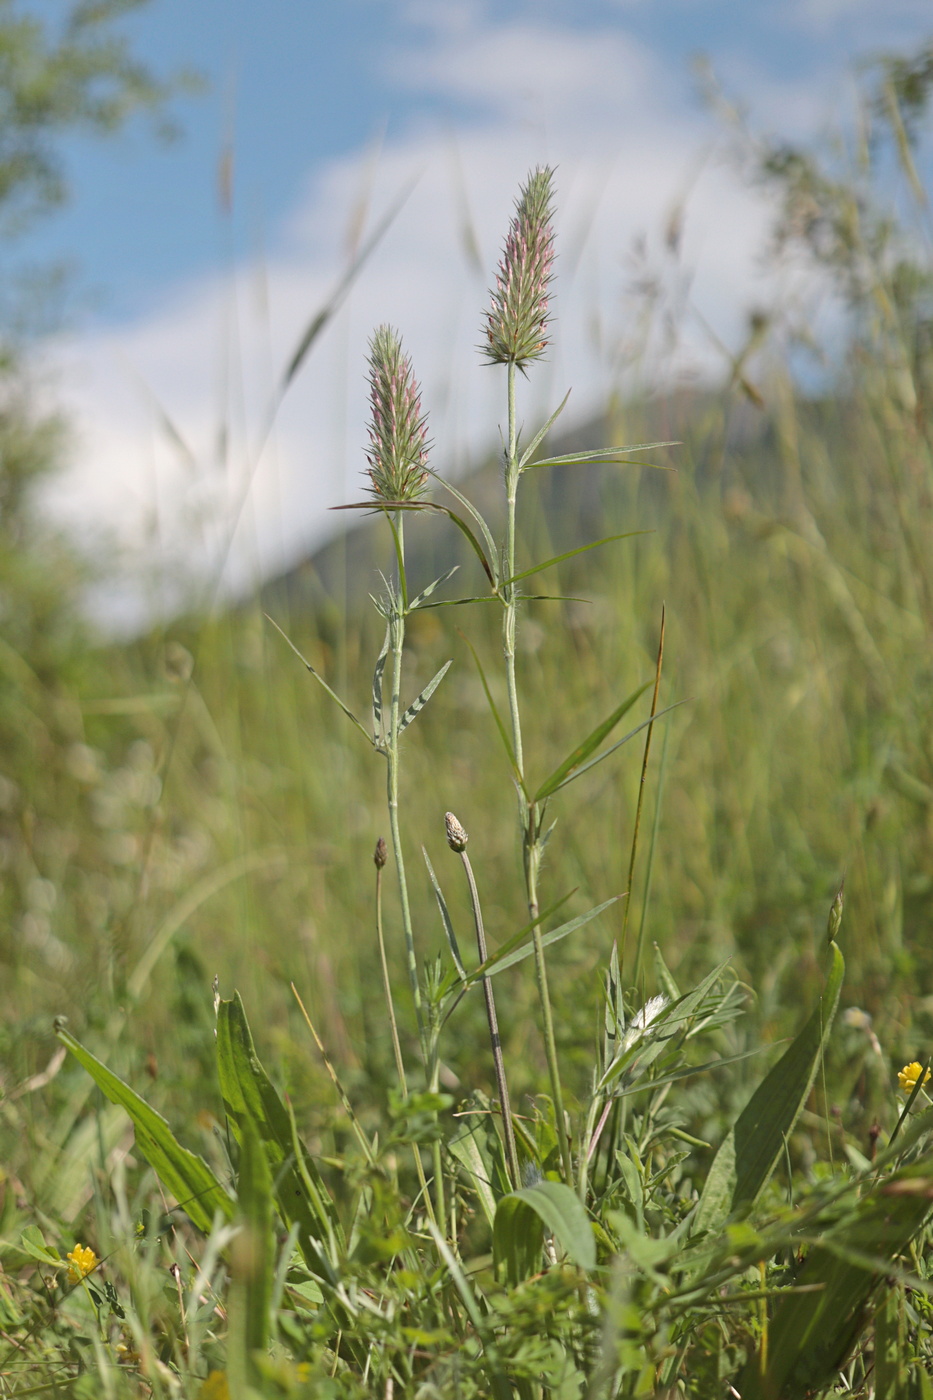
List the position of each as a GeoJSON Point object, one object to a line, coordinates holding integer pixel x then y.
{"type": "Point", "coordinates": [380, 854]}
{"type": "Point", "coordinates": [456, 836]}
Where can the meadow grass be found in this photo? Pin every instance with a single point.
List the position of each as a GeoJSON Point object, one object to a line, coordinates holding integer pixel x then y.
{"type": "Point", "coordinates": [194, 805]}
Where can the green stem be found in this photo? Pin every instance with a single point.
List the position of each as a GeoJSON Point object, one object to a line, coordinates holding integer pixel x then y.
{"type": "Point", "coordinates": [505, 1102]}
{"type": "Point", "coordinates": [528, 814]}
{"type": "Point", "coordinates": [397, 647]}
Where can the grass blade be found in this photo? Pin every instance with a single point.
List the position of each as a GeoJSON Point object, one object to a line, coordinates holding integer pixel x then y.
{"type": "Point", "coordinates": [652, 719]}
{"type": "Point", "coordinates": [503, 732]}
{"type": "Point", "coordinates": [605, 454]}
{"type": "Point", "coordinates": [508, 955]}
{"type": "Point", "coordinates": [322, 682]}
{"type": "Point", "coordinates": [562, 773]}
{"type": "Point", "coordinates": [581, 549]}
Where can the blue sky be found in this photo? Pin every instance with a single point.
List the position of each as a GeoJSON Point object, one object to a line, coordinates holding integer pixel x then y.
{"type": "Point", "coordinates": [331, 107]}
{"type": "Point", "coordinates": [292, 84]}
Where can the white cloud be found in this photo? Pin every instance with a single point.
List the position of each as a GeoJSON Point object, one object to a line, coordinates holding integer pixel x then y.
{"type": "Point", "coordinates": [628, 146]}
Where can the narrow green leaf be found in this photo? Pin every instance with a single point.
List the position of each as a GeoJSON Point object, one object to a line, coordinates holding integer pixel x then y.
{"type": "Point", "coordinates": [750, 1152]}
{"type": "Point", "coordinates": [503, 732]}
{"type": "Point", "coordinates": [542, 433]}
{"type": "Point", "coordinates": [518, 1236]}
{"type": "Point", "coordinates": [251, 1101]}
{"type": "Point", "coordinates": [322, 682]}
{"type": "Point", "coordinates": [471, 508]}
{"type": "Point", "coordinates": [386, 507]}
{"type": "Point", "coordinates": [686, 1072]}
{"type": "Point", "coordinates": [418, 704]}
{"type": "Point", "coordinates": [187, 1177]}
{"type": "Point", "coordinates": [378, 735]}
{"type": "Point", "coordinates": [590, 743]}
{"type": "Point", "coordinates": [585, 768]}
{"type": "Point", "coordinates": [569, 554]}
{"type": "Point", "coordinates": [605, 454]}
{"type": "Point", "coordinates": [445, 917]}
{"type": "Point", "coordinates": [508, 955]}
{"type": "Point", "coordinates": [425, 594]}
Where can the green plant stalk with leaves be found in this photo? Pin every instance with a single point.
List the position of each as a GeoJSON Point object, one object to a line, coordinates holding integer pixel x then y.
{"type": "Point", "coordinates": [515, 335]}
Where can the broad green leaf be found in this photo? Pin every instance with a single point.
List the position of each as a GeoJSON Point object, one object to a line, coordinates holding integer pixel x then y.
{"type": "Point", "coordinates": [569, 554]}
{"type": "Point", "coordinates": [33, 1243]}
{"type": "Point", "coordinates": [542, 433]}
{"type": "Point", "coordinates": [523, 1216]}
{"type": "Point", "coordinates": [418, 704]}
{"type": "Point", "coordinates": [252, 1102]}
{"type": "Point", "coordinates": [517, 1239]}
{"type": "Point", "coordinates": [750, 1152]}
{"type": "Point", "coordinates": [467, 1148]}
{"type": "Point", "coordinates": [322, 682]}
{"type": "Point", "coordinates": [813, 1332]}
{"type": "Point", "coordinates": [613, 455]}
{"type": "Point", "coordinates": [187, 1177]}
{"type": "Point", "coordinates": [253, 1251]}
{"type": "Point", "coordinates": [589, 745]}
{"type": "Point", "coordinates": [504, 958]}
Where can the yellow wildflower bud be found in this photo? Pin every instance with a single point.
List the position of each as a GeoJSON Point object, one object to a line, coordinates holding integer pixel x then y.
{"type": "Point", "coordinates": [908, 1076]}
{"type": "Point", "coordinates": [81, 1261]}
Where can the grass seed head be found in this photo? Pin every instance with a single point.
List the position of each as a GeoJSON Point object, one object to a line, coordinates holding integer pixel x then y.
{"type": "Point", "coordinates": [398, 441]}
{"type": "Point", "coordinates": [517, 319]}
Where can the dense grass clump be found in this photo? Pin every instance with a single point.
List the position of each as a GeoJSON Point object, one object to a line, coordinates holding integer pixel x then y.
{"type": "Point", "coordinates": [480, 1105]}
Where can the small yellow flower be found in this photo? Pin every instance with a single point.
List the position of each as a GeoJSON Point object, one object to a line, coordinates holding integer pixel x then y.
{"type": "Point", "coordinates": [908, 1076]}
{"type": "Point", "coordinates": [81, 1261]}
{"type": "Point", "coordinates": [215, 1387]}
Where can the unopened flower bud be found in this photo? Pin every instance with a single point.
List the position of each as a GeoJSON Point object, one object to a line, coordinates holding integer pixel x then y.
{"type": "Point", "coordinates": [835, 916]}
{"type": "Point", "coordinates": [380, 854]}
{"type": "Point", "coordinates": [456, 836]}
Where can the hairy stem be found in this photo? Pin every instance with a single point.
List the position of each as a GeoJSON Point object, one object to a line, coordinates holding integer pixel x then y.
{"type": "Point", "coordinates": [528, 813]}
{"type": "Point", "coordinates": [505, 1102]}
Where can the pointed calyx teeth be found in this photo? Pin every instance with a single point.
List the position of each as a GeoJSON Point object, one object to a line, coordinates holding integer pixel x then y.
{"type": "Point", "coordinates": [456, 836]}
{"type": "Point", "coordinates": [380, 854]}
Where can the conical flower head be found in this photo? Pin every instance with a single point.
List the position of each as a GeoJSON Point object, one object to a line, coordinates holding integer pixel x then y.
{"type": "Point", "coordinates": [398, 442]}
{"type": "Point", "coordinates": [516, 322]}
